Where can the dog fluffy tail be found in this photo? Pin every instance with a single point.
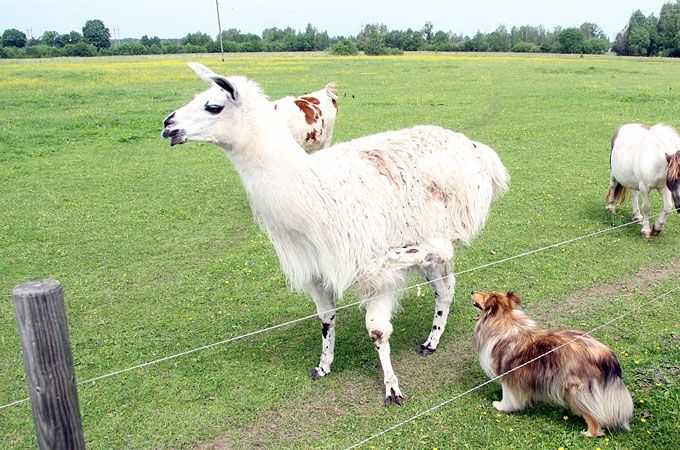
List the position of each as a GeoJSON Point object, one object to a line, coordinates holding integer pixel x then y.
{"type": "Point", "coordinates": [606, 401]}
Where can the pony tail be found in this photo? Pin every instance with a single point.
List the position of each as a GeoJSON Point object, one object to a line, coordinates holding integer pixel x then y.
{"type": "Point", "coordinates": [619, 195]}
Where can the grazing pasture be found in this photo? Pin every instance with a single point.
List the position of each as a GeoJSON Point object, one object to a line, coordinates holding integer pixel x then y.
{"type": "Point", "coordinates": [158, 254]}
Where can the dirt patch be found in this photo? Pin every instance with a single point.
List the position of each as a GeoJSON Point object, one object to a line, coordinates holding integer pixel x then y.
{"type": "Point", "coordinates": [590, 299]}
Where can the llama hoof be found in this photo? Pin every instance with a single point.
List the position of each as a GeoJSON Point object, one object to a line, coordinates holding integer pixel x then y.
{"type": "Point", "coordinates": [393, 397]}
{"type": "Point", "coordinates": [655, 232]}
{"type": "Point", "coordinates": [646, 234]}
{"type": "Point", "coordinates": [611, 209]}
{"type": "Point", "coordinates": [637, 219]}
{"type": "Point", "coordinates": [318, 372]}
{"type": "Point", "coordinates": [425, 350]}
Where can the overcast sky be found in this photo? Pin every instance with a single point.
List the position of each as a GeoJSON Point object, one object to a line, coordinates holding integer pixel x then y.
{"type": "Point", "coordinates": [176, 18]}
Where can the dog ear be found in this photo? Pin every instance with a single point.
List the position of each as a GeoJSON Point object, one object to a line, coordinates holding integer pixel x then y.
{"type": "Point", "coordinates": [514, 299]}
{"type": "Point", "coordinates": [491, 302]}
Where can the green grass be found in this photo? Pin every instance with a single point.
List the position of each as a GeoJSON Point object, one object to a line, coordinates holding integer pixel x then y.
{"type": "Point", "coordinates": [158, 253]}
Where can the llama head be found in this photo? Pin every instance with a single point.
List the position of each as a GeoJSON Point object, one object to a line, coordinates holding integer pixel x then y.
{"type": "Point", "coordinates": [216, 115]}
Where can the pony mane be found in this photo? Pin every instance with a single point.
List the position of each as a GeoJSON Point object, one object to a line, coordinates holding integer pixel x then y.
{"type": "Point", "coordinates": [673, 171]}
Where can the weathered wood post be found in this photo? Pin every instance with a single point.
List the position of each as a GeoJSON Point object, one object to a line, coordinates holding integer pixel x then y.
{"type": "Point", "coordinates": [41, 318]}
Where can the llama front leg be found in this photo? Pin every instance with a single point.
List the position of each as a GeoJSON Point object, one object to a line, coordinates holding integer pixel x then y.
{"type": "Point", "coordinates": [439, 272]}
{"type": "Point", "coordinates": [379, 326]}
{"type": "Point", "coordinates": [325, 305]}
{"type": "Point", "coordinates": [668, 206]}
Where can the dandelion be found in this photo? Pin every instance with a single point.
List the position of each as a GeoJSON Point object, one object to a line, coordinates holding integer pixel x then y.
{"type": "Point", "coordinates": [643, 420]}
{"type": "Point", "coordinates": [565, 417]}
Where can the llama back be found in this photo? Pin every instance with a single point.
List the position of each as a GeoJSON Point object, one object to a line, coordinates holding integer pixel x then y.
{"type": "Point", "coordinates": [442, 181]}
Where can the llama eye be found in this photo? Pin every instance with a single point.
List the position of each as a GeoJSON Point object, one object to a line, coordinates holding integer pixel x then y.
{"type": "Point", "coordinates": [213, 109]}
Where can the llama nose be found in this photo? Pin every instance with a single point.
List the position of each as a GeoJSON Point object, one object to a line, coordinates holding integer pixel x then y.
{"type": "Point", "coordinates": [168, 120]}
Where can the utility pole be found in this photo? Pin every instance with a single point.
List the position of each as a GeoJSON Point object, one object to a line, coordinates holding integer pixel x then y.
{"type": "Point", "coordinates": [219, 26]}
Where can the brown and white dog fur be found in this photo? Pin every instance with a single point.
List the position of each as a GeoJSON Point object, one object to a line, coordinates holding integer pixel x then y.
{"type": "Point", "coordinates": [582, 373]}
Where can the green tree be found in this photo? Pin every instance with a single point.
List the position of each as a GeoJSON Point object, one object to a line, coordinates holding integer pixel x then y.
{"type": "Point", "coordinates": [202, 39]}
{"type": "Point", "coordinates": [427, 31]}
{"type": "Point", "coordinates": [52, 38]}
{"type": "Point", "coordinates": [72, 38]}
{"type": "Point", "coordinates": [371, 40]}
{"type": "Point", "coordinates": [14, 38]}
{"type": "Point", "coordinates": [571, 40]}
{"type": "Point", "coordinates": [638, 42]}
{"type": "Point", "coordinates": [96, 33]}
{"type": "Point", "coordinates": [499, 40]}
{"type": "Point", "coordinates": [668, 29]}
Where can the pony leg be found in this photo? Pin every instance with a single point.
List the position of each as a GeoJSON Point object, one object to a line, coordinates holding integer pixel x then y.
{"type": "Point", "coordinates": [646, 229]}
{"type": "Point", "coordinates": [637, 217]}
{"type": "Point", "coordinates": [667, 208]}
{"type": "Point", "coordinates": [378, 323]}
{"type": "Point", "coordinates": [611, 196]}
{"type": "Point", "coordinates": [438, 271]}
{"type": "Point", "coordinates": [325, 303]}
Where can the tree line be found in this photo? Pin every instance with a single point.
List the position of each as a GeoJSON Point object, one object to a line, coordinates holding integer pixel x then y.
{"type": "Point", "coordinates": [641, 36]}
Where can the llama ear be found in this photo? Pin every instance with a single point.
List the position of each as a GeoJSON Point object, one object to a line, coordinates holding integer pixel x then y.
{"type": "Point", "coordinates": [226, 86]}
{"type": "Point", "coordinates": [202, 71]}
{"type": "Point", "coordinates": [514, 298]}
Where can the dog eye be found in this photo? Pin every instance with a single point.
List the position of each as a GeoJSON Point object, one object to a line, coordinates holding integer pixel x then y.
{"type": "Point", "coordinates": [213, 109]}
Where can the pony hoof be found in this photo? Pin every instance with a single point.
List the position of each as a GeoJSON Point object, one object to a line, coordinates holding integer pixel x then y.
{"type": "Point", "coordinates": [317, 373]}
{"type": "Point", "coordinates": [394, 398]}
{"type": "Point", "coordinates": [425, 350]}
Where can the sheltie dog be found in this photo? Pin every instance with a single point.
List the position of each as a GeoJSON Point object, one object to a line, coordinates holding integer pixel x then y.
{"type": "Point", "coordinates": [579, 372]}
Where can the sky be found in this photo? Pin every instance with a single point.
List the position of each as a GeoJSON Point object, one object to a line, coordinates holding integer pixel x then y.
{"type": "Point", "coordinates": [177, 18]}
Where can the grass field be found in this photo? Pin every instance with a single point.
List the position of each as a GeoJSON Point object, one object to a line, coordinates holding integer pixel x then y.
{"type": "Point", "coordinates": [158, 254]}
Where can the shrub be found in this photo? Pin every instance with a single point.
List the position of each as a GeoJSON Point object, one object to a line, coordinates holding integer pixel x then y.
{"type": "Point", "coordinates": [344, 47]}
{"type": "Point", "coordinates": [525, 47]}
{"type": "Point", "coordinates": [82, 48]}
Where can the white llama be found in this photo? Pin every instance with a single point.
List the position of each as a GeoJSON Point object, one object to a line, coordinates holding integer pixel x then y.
{"type": "Point", "coordinates": [358, 214]}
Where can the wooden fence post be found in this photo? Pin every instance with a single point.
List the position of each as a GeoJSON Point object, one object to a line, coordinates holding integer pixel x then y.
{"type": "Point", "coordinates": [41, 318]}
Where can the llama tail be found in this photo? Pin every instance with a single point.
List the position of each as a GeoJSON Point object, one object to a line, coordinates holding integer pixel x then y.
{"type": "Point", "coordinates": [616, 193]}
{"type": "Point", "coordinates": [500, 178]}
{"type": "Point", "coordinates": [331, 90]}
{"type": "Point", "coordinates": [607, 401]}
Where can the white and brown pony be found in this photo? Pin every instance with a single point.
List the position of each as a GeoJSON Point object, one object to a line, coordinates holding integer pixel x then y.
{"type": "Point", "coordinates": [644, 159]}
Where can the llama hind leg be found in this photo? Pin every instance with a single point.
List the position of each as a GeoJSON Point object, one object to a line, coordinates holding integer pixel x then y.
{"type": "Point", "coordinates": [325, 305]}
{"type": "Point", "coordinates": [378, 323]}
{"type": "Point", "coordinates": [438, 271]}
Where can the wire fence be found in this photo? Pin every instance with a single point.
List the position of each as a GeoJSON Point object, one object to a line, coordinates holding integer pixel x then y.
{"type": "Point", "coordinates": [352, 304]}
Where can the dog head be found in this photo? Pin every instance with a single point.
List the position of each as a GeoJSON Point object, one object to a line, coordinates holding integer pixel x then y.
{"type": "Point", "coordinates": [490, 302]}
